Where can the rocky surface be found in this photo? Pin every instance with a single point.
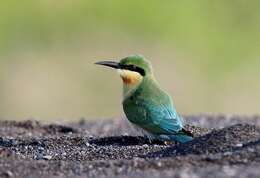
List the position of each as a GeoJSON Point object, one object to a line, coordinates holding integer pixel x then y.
{"type": "Point", "coordinates": [223, 147]}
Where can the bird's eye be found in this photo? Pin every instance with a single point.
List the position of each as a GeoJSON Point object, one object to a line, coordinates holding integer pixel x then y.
{"type": "Point", "coordinates": [133, 67]}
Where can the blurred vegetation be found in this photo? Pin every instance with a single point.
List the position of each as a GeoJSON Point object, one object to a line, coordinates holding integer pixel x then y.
{"type": "Point", "coordinates": [205, 53]}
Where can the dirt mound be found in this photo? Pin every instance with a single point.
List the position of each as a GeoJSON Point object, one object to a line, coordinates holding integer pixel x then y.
{"type": "Point", "coordinates": [110, 149]}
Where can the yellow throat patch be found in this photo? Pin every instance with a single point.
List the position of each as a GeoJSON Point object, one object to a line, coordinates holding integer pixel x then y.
{"type": "Point", "coordinates": [130, 78]}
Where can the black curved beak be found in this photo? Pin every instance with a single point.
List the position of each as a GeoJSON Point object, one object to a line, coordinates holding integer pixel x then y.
{"type": "Point", "coordinates": [112, 64]}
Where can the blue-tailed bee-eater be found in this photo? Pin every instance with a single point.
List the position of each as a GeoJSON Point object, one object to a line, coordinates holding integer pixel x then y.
{"type": "Point", "coordinates": [145, 104]}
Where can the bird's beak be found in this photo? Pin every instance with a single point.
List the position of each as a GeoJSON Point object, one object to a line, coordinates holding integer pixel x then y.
{"type": "Point", "coordinates": [112, 64]}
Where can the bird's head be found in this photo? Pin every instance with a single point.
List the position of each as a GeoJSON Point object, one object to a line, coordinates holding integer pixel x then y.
{"type": "Point", "coordinates": [132, 69]}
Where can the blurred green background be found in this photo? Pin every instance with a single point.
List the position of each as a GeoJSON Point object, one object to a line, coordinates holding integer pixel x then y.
{"type": "Point", "coordinates": [205, 54]}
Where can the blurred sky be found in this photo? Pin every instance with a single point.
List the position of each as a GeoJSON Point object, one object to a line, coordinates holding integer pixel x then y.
{"type": "Point", "coordinates": [205, 54]}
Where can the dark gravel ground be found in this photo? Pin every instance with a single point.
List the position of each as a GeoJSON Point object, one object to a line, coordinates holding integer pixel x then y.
{"type": "Point", "coordinates": [111, 149]}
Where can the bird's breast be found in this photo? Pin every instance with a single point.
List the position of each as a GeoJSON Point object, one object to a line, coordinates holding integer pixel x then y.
{"type": "Point", "coordinates": [135, 110]}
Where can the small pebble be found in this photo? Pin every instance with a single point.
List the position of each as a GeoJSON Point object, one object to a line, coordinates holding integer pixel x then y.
{"type": "Point", "coordinates": [47, 157]}
{"type": "Point", "coordinates": [239, 145]}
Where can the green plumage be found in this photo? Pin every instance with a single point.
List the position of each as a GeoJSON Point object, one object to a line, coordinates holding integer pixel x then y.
{"type": "Point", "coordinates": [147, 106]}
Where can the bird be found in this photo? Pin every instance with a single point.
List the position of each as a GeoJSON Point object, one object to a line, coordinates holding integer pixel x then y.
{"type": "Point", "coordinates": [146, 105]}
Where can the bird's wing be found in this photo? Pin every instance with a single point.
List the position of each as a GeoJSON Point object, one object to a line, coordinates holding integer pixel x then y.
{"type": "Point", "coordinates": [163, 117]}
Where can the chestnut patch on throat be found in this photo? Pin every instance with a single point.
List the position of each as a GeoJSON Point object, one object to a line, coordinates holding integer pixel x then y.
{"type": "Point", "coordinates": [130, 77]}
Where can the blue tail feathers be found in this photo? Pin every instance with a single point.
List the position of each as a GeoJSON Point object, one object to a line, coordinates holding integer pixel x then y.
{"type": "Point", "coordinates": [181, 137]}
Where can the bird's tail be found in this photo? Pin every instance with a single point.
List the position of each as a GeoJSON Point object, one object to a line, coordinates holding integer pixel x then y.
{"type": "Point", "coordinates": [183, 136]}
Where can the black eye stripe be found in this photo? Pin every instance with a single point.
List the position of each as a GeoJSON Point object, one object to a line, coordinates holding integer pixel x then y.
{"type": "Point", "coordinates": [134, 68]}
